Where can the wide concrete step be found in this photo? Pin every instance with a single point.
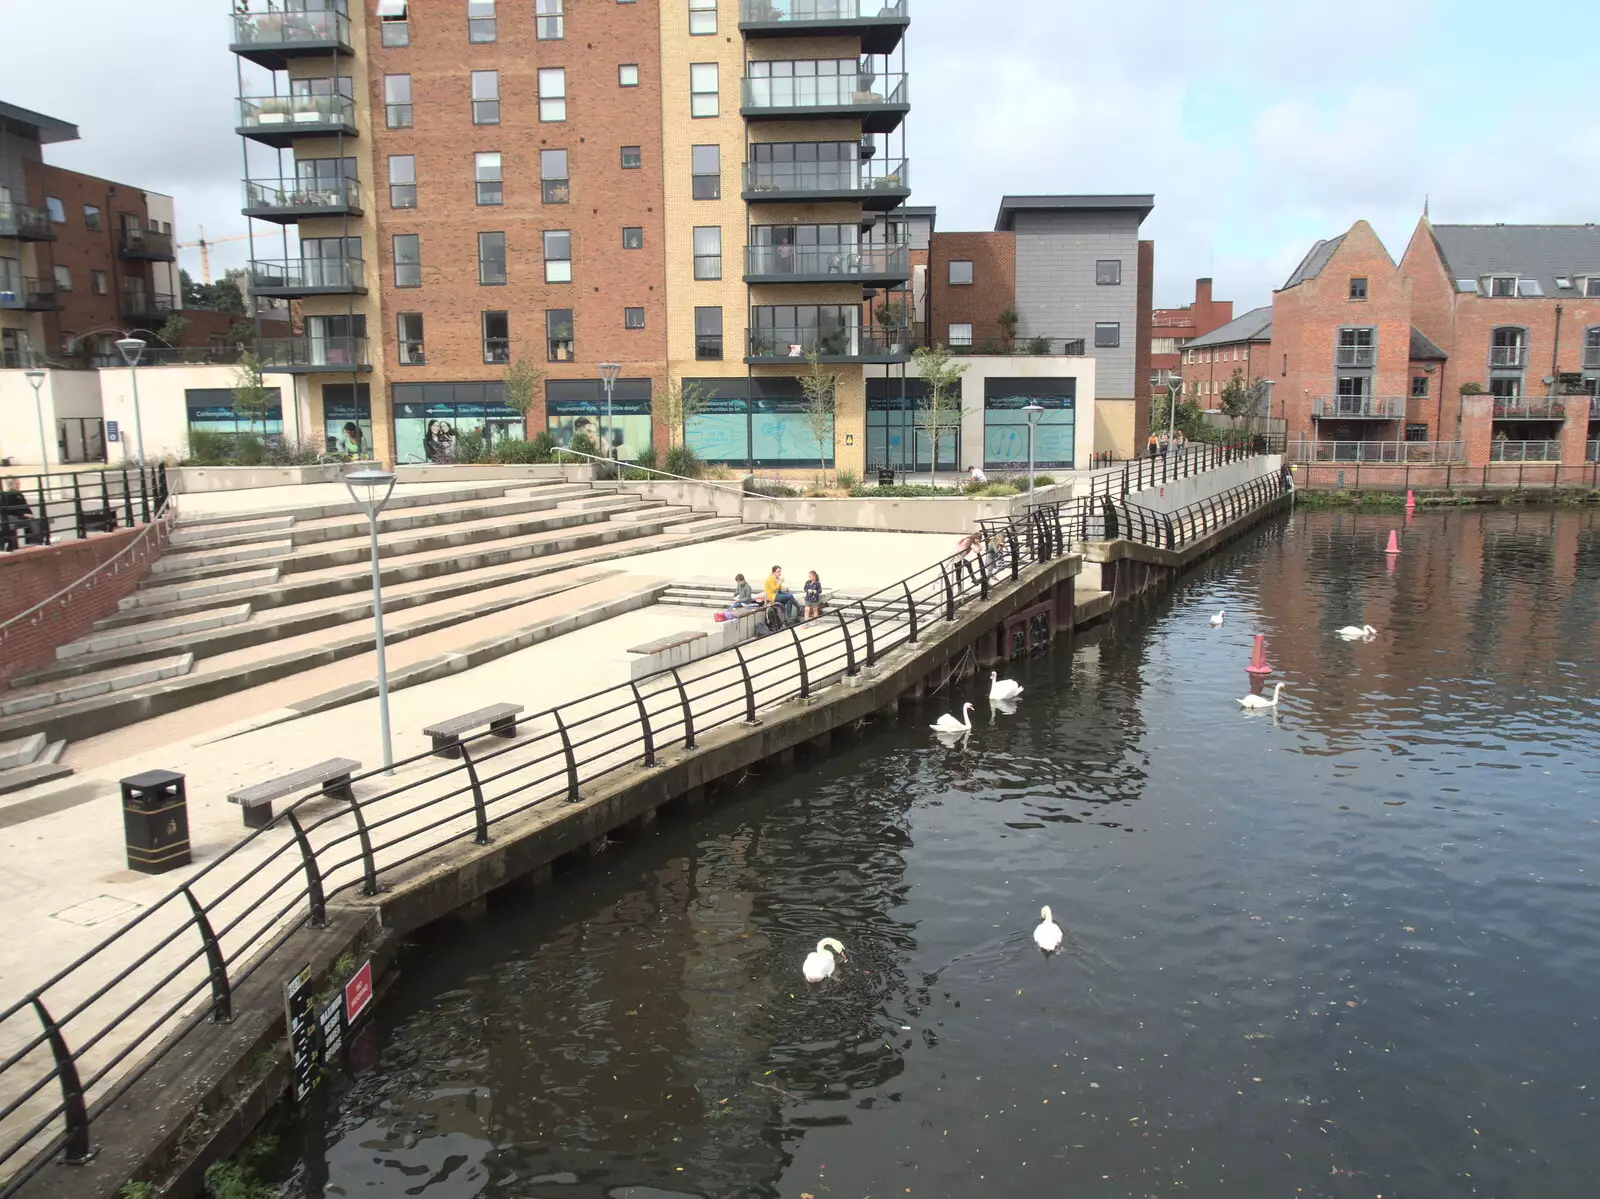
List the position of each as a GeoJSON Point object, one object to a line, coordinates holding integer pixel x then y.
{"type": "Point", "coordinates": [21, 751]}
{"type": "Point", "coordinates": [151, 597]}
{"type": "Point", "coordinates": [402, 498]}
{"type": "Point", "coordinates": [170, 565]}
{"type": "Point", "coordinates": [666, 512]}
{"type": "Point", "coordinates": [39, 696]}
{"type": "Point", "coordinates": [21, 777]}
{"type": "Point", "coordinates": [153, 630]}
{"type": "Point", "coordinates": [245, 532]}
{"type": "Point", "coordinates": [339, 528]}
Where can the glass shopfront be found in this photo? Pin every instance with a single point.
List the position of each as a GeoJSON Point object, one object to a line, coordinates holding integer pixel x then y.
{"type": "Point", "coordinates": [575, 406]}
{"type": "Point", "coordinates": [894, 437]}
{"type": "Point", "coordinates": [347, 419]}
{"type": "Point", "coordinates": [1005, 424]}
{"type": "Point", "coordinates": [429, 417]}
{"type": "Point", "coordinates": [211, 410]}
{"type": "Point", "coordinates": [755, 424]}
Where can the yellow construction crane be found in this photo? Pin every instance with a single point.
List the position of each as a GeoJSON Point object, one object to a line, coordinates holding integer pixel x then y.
{"type": "Point", "coordinates": [205, 245]}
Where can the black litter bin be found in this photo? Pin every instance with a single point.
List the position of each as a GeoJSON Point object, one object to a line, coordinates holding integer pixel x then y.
{"type": "Point", "coordinates": [155, 817]}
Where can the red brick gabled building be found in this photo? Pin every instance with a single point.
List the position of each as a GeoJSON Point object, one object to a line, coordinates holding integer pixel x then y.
{"type": "Point", "coordinates": [1172, 329]}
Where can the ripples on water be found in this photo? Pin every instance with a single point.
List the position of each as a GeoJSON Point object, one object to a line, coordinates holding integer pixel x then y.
{"type": "Point", "coordinates": [1350, 950]}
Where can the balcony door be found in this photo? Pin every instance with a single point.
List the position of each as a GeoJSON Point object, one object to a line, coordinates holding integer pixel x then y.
{"type": "Point", "coordinates": [331, 339]}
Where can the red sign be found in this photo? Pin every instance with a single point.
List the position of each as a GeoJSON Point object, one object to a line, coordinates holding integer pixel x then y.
{"type": "Point", "coordinates": [358, 993]}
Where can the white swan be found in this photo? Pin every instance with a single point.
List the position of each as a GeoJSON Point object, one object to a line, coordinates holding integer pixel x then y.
{"type": "Point", "coordinates": [1351, 632]}
{"type": "Point", "coordinates": [819, 965]}
{"type": "Point", "coordinates": [1217, 619]}
{"type": "Point", "coordinates": [1000, 688]}
{"type": "Point", "coordinates": [949, 724]}
{"type": "Point", "coordinates": [1048, 935]}
{"type": "Point", "coordinates": [1255, 701]}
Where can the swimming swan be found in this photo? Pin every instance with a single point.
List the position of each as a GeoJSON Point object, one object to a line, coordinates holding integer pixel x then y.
{"type": "Point", "coordinates": [1000, 688]}
{"type": "Point", "coordinates": [1048, 935]}
{"type": "Point", "coordinates": [1351, 633]}
{"type": "Point", "coordinates": [1255, 701]}
{"type": "Point", "coordinates": [819, 965]}
{"type": "Point", "coordinates": [949, 724]}
{"type": "Point", "coordinates": [1217, 619]}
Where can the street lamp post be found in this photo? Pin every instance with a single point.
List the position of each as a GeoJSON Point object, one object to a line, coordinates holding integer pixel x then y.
{"type": "Point", "coordinates": [608, 376]}
{"type": "Point", "coordinates": [36, 380]}
{"type": "Point", "coordinates": [1034, 412]}
{"type": "Point", "coordinates": [131, 348]}
{"type": "Point", "coordinates": [371, 490]}
{"type": "Point", "coordinates": [1174, 386]}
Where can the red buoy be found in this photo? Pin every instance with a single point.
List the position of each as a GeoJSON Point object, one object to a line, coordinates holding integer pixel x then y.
{"type": "Point", "coordinates": [1258, 659]}
{"type": "Point", "coordinates": [1394, 543]}
{"type": "Point", "coordinates": [1411, 500]}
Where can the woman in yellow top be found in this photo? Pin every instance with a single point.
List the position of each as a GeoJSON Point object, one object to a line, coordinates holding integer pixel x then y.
{"type": "Point", "coordinates": [778, 594]}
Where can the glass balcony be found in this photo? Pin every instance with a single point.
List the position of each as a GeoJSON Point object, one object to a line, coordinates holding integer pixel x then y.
{"type": "Point", "coordinates": [25, 223]}
{"type": "Point", "coordinates": [879, 101]}
{"type": "Point", "coordinates": [1358, 407]}
{"type": "Point", "coordinates": [880, 184]}
{"type": "Point", "coordinates": [287, 200]}
{"type": "Point", "coordinates": [1529, 408]}
{"type": "Point", "coordinates": [1505, 450]}
{"type": "Point", "coordinates": [1506, 356]}
{"type": "Point", "coordinates": [149, 309]}
{"type": "Point", "coordinates": [23, 293]}
{"type": "Point", "coordinates": [836, 343]}
{"type": "Point", "coordinates": [289, 277]}
{"type": "Point", "coordinates": [305, 355]}
{"type": "Point", "coordinates": [269, 34]}
{"type": "Point", "coordinates": [145, 245]}
{"type": "Point", "coordinates": [1379, 452]}
{"type": "Point", "coordinates": [278, 120]}
{"type": "Point", "coordinates": [880, 24]}
{"type": "Point", "coordinates": [877, 265]}
{"type": "Point", "coordinates": [1355, 356]}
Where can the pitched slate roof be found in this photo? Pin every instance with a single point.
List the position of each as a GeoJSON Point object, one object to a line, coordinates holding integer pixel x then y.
{"type": "Point", "coordinates": [1255, 325]}
{"type": "Point", "coordinates": [1423, 349]}
{"type": "Point", "coordinates": [1311, 265]}
{"type": "Point", "coordinates": [1542, 252]}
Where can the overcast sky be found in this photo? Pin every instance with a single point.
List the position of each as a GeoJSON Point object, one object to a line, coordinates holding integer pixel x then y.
{"type": "Point", "coordinates": [1259, 125]}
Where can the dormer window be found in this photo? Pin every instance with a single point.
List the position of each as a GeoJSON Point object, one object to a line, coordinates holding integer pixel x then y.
{"type": "Point", "coordinates": [1529, 287]}
{"type": "Point", "coordinates": [1591, 286]}
{"type": "Point", "coordinates": [1503, 286]}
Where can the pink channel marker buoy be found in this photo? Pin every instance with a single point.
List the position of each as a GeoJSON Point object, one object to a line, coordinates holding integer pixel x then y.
{"type": "Point", "coordinates": [1394, 543]}
{"type": "Point", "coordinates": [1258, 657]}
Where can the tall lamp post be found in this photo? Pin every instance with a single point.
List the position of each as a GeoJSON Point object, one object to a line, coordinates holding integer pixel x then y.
{"type": "Point", "coordinates": [1034, 412]}
{"type": "Point", "coordinates": [1270, 384]}
{"type": "Point", "coordinates": [131, 348]}
{"type": "Point", "coordinates": [1174, 386]}
{"type": "Point", "coordinates": [36, 380]}
{"type": "Point", "coordinates": [371, 490]}
{"type": "Point", "coordinates": [608, 376]}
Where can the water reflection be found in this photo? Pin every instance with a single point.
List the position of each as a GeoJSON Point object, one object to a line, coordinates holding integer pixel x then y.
{"type": "Point", "coordinates": [1346, 949]}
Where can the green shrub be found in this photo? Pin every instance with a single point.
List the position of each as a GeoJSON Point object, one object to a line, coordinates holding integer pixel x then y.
{"type": "Point", "coordinates": [994, 490]}
{"type": "Point", "coordinates": [515, 451]}
{"type": "Point", "coordinates": [470, 446]}
{"type": "Point", "coordinates": [683, 461]}
{"type": "Point", "coordinates": [544, 446]}
{"type": "Point", "coordinates": [1039, 345]}
{"type": "Point", "coordinates": [771, 488]}
{"type": "Point", "coordinates": [208, 449]}
{"type": "Point", "coordinates": [1044, 480]}
{"type": "Point", "coordinates": [847, 480]}
{"type": "Point", "coordinates": [582, 443]}
{"type": "Point", "coordinates": [645, 459]}
{"type": "Point", "coordinates": [900, 491]}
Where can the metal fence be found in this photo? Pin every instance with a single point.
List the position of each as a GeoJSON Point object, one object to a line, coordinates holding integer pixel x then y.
{"type": "Point", "coordinates": [1377, 451]}
{"type": "Point", "coordinates": [1447, 476]}
{"type": "Point", "coordinates": [1175, 529]}
{"type": "Point", "coordinates": [42, 509]}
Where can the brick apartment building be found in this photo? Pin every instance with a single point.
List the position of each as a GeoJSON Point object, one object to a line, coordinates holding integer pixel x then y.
{"type": "Point", "coordinates": [1174, 328]}
{"type": "Point", "coordinates": [701, 191]}
{"type": "Point", "coordinates": [1481, 345]}
{"type": "Point", "coordinates": [1209, 360]}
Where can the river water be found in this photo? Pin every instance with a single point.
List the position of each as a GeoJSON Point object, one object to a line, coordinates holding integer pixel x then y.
{"type": "Point", "coordinates": [1350, 950]}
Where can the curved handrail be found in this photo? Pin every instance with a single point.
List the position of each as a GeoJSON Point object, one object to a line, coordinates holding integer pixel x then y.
{"type": "Point", "coordinates": [622, 466]}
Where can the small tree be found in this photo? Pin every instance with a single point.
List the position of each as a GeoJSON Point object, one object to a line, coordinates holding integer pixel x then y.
{"type": "Point", "coordinates": [1007, 320]}
{"type": "Point", "coordinates": [1240, 398]}
{"type": "Point", "coordinates": [521, 379]}
{"type": "Point", "coordinates": [251, 397]}
{"type": "Point", "coordinates": [679, 404]}
{"type": "Point", "coordinates": [172, 332]}
{"type": "Point", "coordinates": [821, 391]}
{"type": "Point", "coordinates": [943, 411]}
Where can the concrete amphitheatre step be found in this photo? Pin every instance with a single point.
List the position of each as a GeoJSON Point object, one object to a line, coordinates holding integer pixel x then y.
{"type": "Point", "coordinates": [30, 760]}
{"type": "Point", "coordinates": [266, 528]}
{"type": "Point", "coordinates": [139, 605]}
{"type": "Point", "coordinates": [36, 696]}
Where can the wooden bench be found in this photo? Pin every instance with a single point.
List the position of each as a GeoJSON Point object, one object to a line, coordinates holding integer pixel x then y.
{"type": "Point", "coordinates": [333, 776]}
{"type": "Point", "coordinates": [446, 734]}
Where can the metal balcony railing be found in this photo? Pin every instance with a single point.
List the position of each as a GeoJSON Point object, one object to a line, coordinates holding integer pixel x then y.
{"type": "Point", "coordinates": [24, 293]}
{"type": "Point", "coordinates": [1358, 407]}
{"type": "Point", "coordinates": [854, 343]}
{"type": "Point", "coordinates": [306, 197]}
{"type": "Point", "coordinates": [800, 12]}
{"type": "Point", "coordinates": [25, 222]}
{"type": "Point", "coordinates": [1505, 450]}
{"type": "Point", "coordinates": [291, 276]}
{"type": "Point", "coordinates": [280, 29]}
{"type": "Point", "coordinates": [1529, 408]}
{"type": "Point", "coordinates": [147, 307]}
{"type": "Point", "coordinates": [1355, 355]}
{"type": "Point", "coordinates": [1378, 452]}
{"type": "Point", "coordinates": [285, 114]}
{"type": "Point", "coordinates": [844, 263]}
{"type": "Point", "coordinates": [850, 179]}
{"type": "Point", "coordinates": [1514, 356]}
{"type": "Point", "coordinates": [1022, 347]}
{"type": "Point", "coordinates": [790, 95]}
{"type": "Point", "coordinates": [146, 244]}
{"type": "Point", "coordinates": [313, 353]}
{"type": "Point", "coordinates": [1591, 358]}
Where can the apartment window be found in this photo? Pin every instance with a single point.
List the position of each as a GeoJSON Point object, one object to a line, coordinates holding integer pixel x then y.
{"type": "Point", "coordinates": [553, 181]}
{"type": "Point", "coordinates": [1107, 335]}
{"type": "Point", "coordinates": [491, 258]}
{"type": "Point", "coordinates": [407, 260]}
{"type": "Point", "coordinates": [557, 256]}
{"type": "Point", "coordinates": [961, 335]}
{"type": "Point", "coordinates": [486, 97]}
{"type": "Point", "coordinates": [550, 19]}
{"type": "Point", "coordinates": [558, 334]}
{"type": "Point", "coordinates": [496, 338]}
{"type": "Point", "coordinates": [402, 181]}
{"type": "Point", "coordinates": [392, 20]}
{"type": "Point", "coordinates": [960, 273]}
{"type": "Point", "coordinates": [1355, 348]}
{"type": "Point", "coordinates": [408, 331]}
{"type": "Point", "coordinates": [632, 159]}
{"type": "Point", "coordinates": [486, 174]}
{"type": "Point", "coordinates": [633, 318]}
{"type": "Point", "coordinates": [1416, 432]}
{"type": "Point", "coordinates": [705, 170]}
{"type": "Point", "coordinates": [91, 217]}
{"type": "Point", "coordinates": [1507, 347]}
{"type": "Point", "coordinates": [97, 283]}
{"type": "Point", "coordinates": [1591, 350]}
{"type": "Point", "coordinates": [708, 252]}
{"type": "Point", "coordinates": [1503, 286]}
{"type": "Point", "coordinates": [553, 94]}
{"type": "Point", "coordinates": [397, 100]}
{"type": "Point", "coordinates": [480, 21]}
{"type": "Point", "coordinates": [1591, 286]}
{"type": "Point", "coordinates": [63, 277]}
{"type": "Point", "coordinates": [708, 334]}
{"type": "Point", "coordinates": [58, 213]}
{"type": "Point", "coordinates": [703, 89]}
{"type": "Point", "coordinates": [1108, 272]}
{"type": "Point", "coordinates": [628, 74]}
{"type": "Point", "coordinates": [1358, 289]}
{"type": "Point", "coordinates": [632, 237]}
{"type": "Point", "coordinates": [702, 22]}
{"type": "Point", "coordinates": [1419, 387]}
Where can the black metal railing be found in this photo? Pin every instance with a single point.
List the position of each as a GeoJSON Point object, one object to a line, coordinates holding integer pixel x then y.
{"type": "Point", "coordinates": [1173, 530]}
{"type": "Point", "coordinates": [42, 509]}
{"type": "Point", "coordinates": [1141, 474]}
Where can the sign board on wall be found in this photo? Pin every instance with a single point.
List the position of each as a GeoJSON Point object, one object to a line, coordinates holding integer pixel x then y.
{"type": "Point", "coordinates": [111, 431]}
{"type": "Point", "coordinates": [358, 993]}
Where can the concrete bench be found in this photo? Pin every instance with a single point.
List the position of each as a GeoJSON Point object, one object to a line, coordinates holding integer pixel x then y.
{"type": "Point", "coordinates": [333, 776]}
{"type": "Point", "coordinates": [446, 734]}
